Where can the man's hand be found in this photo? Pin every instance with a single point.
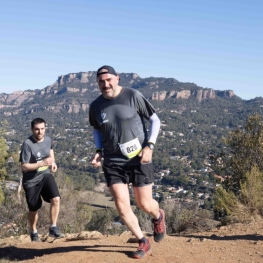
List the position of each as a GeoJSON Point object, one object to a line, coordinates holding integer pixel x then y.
{"type": "Point", "coordinates": [54, 167]}
{"type": "Point", "coordinates": [96, 161]}
{"type": "Point", "coordinates": [48, 161]}
{"type": "Point", "coordinates": [146, 155]}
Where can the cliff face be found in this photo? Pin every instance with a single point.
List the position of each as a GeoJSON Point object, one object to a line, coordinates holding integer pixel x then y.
{"type": "Point", "coordinates": [73, 93]}
{"type": "Point", "coordinates": [226, 93]}
{"type": "Point", "coordinates": [66, 83]}
{"type": "Point", "coordinates": [159, 95]}
{"type": "Point", "coordinates": [15, 98]}
{"type": "Point", "coordinates": [205, 94]}
{"type": "Point", "coordinates": [82, 77]}
{"type": "Point", "coordinates": [185, 94]}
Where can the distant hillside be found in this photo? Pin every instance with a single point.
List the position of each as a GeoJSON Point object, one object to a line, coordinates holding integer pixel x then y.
{"type": "Point", "coordinates": [74, 92]}
{"type": "Point", "coordinates": [194, 121]}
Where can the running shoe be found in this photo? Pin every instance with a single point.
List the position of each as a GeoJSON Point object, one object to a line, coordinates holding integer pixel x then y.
{"type": "Point", "coordinates": [34, 237]}
{"type": "Point", "coordinates": [54, 232]}
{"type": "Point", "coordinates": [159, 228]}
{"type": "Point", "coordinates": [143, 250]}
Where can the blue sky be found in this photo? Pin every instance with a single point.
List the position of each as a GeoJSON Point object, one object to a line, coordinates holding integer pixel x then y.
{"type": "Point", "coordinates": [215, 44]}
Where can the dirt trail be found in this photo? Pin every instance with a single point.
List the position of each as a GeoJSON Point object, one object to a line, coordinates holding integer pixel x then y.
{"type": "Point", "coordinates": [235, 243]}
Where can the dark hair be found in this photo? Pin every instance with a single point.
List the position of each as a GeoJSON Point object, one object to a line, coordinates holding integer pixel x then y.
{"type": "Point", "coordinates": [37, 121]}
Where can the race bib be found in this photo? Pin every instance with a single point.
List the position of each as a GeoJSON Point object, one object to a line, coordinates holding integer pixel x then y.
{"type": "Point", "coordinates": [42, 168]}
{"type": "Point", "coordinates": [131, 149]}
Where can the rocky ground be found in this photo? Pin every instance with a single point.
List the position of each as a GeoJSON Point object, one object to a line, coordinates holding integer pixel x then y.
{"type": "Point", "coordinates": [234, 243]}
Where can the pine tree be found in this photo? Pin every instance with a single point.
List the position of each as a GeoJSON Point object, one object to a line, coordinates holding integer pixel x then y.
{"type": "Point", "coordinates": [246, 151]}
{"type": "Point", "coordinates": [240, 197]}
{"type": "Point", "coordinates": [3, 156]}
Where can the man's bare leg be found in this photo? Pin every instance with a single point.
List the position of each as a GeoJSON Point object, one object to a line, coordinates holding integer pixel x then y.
{"type": "Point", "coordinates": [54, 210]}
{"type": "Point", "coordinates": [143, 197]}
{"type": "Point", "coordinates": [121, 196]}
{"type": "Point", "coordinates": [144, 200]}
{"type": "Point", "coordinates": [33, 218]}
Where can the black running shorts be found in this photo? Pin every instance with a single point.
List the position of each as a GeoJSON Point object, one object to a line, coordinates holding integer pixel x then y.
{"type": "Point", "coordinates": [47, 189]}
{"type": "Point", "coordinates": [138, 175]}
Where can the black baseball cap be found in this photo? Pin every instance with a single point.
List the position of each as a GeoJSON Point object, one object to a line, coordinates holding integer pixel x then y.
{"type": "Point", "coordinates": [110, 70]}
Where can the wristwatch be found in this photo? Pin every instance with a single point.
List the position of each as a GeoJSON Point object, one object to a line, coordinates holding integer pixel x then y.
{"type": "Point", "coordinates": [150, 145]}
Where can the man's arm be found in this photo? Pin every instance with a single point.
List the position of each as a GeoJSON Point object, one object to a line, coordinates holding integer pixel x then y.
{"type": "Point", "coordinates": [146, 153]}
{"type": "Point", "coordinates": [96, 161]}
{"type": "Point", "coordinates": [53, 165]}
{"type": "Point", "coordinates": [154, 129]}
{"type": "Point", "coordinates": [51, 154]}
{"type": "Point", "coordinates": [26, 167]}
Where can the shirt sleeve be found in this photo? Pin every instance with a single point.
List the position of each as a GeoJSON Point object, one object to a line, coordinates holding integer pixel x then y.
{"type": "Point", "coordinates": [97, 138]}
{"type": "Point", "coordinates": [25, 154]}
{"type": "Point", "coordinates": [155, 127]}
{"type": "Point", "coordinates": [92, 121]}
{"type": "Point", "coordinates": [144, 107]}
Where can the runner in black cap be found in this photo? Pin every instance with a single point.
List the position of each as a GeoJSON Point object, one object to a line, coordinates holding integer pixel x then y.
{"type": "Point", "coordinates": [118, 118]}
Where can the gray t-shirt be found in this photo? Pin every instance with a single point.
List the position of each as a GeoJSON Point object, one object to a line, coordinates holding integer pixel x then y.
{"type": "Point", "coordinates": [120, 120]}
{"type": "Point", "coordinates": [33, 152]}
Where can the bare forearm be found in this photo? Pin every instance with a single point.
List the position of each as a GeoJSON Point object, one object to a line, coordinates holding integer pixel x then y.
{"type": "Point", "coordinates": [26, 167]}
{"type": "Point", "coordinates": [52, 155]}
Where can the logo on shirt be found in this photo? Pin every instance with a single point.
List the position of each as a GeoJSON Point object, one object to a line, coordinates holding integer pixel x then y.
{"type": "Point", "coordinates": [103, 116]}
{"type": "Point", "coordinates": [38, 154]}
